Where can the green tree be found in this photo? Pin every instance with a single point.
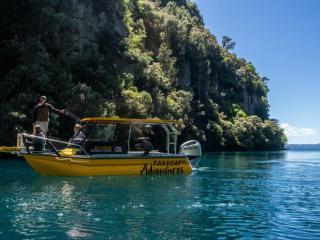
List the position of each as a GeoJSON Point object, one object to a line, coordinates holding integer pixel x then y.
{"type": "Point", "coordinates": [227, 43]}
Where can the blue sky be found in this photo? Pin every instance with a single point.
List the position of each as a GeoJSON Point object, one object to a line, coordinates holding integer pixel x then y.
{"type": "Point", "coordinates": [282, 39]}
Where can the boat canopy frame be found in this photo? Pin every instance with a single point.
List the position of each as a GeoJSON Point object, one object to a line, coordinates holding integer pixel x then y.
{"type": "Point", "coordinates": [167, 125]}
{"type": "Point", "coordinates": [125, 121]}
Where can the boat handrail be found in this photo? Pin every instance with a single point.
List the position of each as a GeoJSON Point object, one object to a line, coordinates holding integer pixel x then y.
{"type": "Point", "coordinates": [50, 140]}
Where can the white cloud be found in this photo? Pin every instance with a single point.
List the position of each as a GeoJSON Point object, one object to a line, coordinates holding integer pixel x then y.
{"type": "Point", "coordinates": [291, 131]}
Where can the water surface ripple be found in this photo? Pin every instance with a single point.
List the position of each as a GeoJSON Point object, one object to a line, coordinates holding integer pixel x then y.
{"type": "Point", "coordinates": [268, 195]}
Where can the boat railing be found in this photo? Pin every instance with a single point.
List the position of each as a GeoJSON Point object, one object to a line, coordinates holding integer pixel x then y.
{"type": "Point", "coordinates": [51, 142]}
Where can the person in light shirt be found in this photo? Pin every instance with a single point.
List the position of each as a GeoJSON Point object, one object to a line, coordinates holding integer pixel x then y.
{"type": "Point", "coordinates": [78, 136]}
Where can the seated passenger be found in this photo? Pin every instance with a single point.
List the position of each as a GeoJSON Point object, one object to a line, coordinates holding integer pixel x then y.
{"type": "Point", "coordinates": [38, 143]}
{"type": "Point", "coordinates": [146, 142]}
{"type": "Point", "coordinates": [78, 136]}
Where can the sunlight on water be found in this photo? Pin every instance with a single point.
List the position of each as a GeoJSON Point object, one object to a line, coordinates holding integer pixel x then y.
{"type": "Point", "coordinates": [270, 195]}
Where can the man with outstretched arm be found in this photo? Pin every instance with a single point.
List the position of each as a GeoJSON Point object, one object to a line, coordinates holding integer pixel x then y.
{"type": "Point", "coordinates": [41, 113]}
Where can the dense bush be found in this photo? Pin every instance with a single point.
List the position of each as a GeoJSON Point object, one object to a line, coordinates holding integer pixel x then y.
{"type": "Point", "coordinates": [133, 58]}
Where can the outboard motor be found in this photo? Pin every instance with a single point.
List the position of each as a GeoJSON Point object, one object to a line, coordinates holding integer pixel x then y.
{"type": "Point", "coordinates": [192, 149]}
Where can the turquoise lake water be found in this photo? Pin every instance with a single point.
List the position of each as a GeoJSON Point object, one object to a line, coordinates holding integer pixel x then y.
{"type": "Point", "coordinates": [265, 195]}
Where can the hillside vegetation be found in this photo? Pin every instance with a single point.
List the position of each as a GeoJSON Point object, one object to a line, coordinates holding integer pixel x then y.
{"type": "Point", "coordinates": [130, 58]}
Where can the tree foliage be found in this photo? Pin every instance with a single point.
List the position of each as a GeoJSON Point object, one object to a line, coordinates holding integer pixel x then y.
{"type": "Point", "coordinates": [227, 43]}
{"type": "Point", "coordinates": [130, 58]}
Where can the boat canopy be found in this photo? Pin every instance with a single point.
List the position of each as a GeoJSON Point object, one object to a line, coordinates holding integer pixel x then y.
{"type": "Point", "coordinates": [167, 125]}
{"type": "Point", "coordinates": [104, 120]}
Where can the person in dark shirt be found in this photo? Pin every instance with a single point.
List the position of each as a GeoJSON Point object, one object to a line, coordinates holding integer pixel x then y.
{"type": "Point", "coordinates": [78, 136]}
{"type": "Point", "coordinates": [38, 143]}
{"type": "Point", "coordinates": [41, 113]}
{"type": "Point", "coordinates": [146, 142]}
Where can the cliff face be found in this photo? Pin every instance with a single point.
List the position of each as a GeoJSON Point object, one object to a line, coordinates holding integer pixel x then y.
{"type": "Point", "coordinates": [92, 20]}
{"type": "Point", "coordinates": [131, 58]}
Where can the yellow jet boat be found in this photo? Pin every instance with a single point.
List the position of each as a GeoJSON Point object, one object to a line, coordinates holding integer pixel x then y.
{"type": "Point", "coordinates": [109, 149]}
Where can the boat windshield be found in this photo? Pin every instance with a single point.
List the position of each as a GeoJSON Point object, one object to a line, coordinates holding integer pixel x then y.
{"type": "Point", "coordinates": [106, 132]}
{"type": "Point", "coordinates": [99, 132]}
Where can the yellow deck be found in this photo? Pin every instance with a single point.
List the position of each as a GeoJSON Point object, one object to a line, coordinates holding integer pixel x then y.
{"type": "Point", "coordinates": [5, 149]}
{"type": "Point", "coordinates": [9, 152]}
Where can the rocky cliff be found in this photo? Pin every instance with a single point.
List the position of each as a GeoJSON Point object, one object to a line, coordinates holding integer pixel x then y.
{"type": "Point", "coordinates": [130, 58]}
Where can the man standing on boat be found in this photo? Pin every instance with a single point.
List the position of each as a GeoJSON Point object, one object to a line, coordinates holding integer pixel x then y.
{"type": "Point", "coordinates": [41, 113]}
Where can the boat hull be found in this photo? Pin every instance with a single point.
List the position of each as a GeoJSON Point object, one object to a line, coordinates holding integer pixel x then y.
{"type": "Point", "coordinates": [9, 152]}
{"type": "Point", "coordinates": [81, 166]}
